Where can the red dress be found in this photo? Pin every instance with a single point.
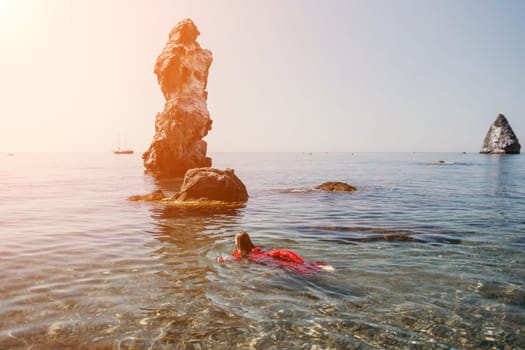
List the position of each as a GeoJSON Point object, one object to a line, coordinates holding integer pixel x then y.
{"type": "Point", "coordinates": [280, 258]}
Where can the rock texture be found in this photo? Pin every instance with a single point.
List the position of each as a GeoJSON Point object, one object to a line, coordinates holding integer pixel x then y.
{"type": "Point", "coordinates": [336, 187]}
{"type": "Point", "coordinates": [156, 195]}
{"type": "Point", "coordinates": [182, 72]}
{"type": "Point", "coordinates": [212, 184]}
{"type": "Point", "coordinates": [501, 138]}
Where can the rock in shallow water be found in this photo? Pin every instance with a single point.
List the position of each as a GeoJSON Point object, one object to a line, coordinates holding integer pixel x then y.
{"type": "Point", "coordinates": [182, 72]}
{"type": "Point", "coordinates": [336, 187]}
{"type": "Point", "coordinates": [156, 195]}
{"type": "Point", "coordinates": [203, 189]}
{"type": "Point", "coordinates": [501, 138]}
{"type": "Point", "coordinates": [212, 184]}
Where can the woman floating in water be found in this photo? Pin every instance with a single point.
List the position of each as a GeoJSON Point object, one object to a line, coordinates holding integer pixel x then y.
{"type": "Point", "coordinates": [282, 258]}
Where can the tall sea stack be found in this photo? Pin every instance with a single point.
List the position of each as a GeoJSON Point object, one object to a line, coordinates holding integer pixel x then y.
{"type": "Point", "coordinates": [182, 72]}
{"type": "Point", "coordinates": [501, 138]}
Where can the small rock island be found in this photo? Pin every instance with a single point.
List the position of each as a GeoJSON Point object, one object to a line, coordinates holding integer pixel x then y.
{"type": "Point", "coordinates": [182, 72]}
{"type": "Point", "coordinates": [212, 184]}
{"type": "Point", "coordinates": [336, 186]}
{"type": "Point", "coordinates": [500, 138]}
{"type": "Point", "coordinates": [203, 188]}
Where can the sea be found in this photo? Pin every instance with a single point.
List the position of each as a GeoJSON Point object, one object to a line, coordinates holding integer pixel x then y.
{"type": "Point", "coordinates": [428, 254]}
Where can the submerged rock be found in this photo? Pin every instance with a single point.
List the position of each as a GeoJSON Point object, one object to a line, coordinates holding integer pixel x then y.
{"type": "Point", "coordinates": [213, 185]}
{"type": "Point", "coordinates": [336, 187]}
{"type": "Point", "coordinates": [156, 195]}
{"type": "Point", "coordinates": [182, 72]}
{"type": "Point", "coordinates": [439, 162]}
{"type": "Point", "coordinates": [501, 138]}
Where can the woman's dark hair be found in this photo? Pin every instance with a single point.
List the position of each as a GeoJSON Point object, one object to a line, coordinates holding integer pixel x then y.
{"type": "Point", "coordinates": [243, 244]}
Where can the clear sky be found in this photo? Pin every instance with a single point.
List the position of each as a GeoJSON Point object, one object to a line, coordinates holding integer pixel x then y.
{"type": "Point", "coordinates": [287, 75]}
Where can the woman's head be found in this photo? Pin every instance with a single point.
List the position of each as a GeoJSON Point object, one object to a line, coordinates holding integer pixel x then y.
{"type": "Point", "coordinates": [243, 244]}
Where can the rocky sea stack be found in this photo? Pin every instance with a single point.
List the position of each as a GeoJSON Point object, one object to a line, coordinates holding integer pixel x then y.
{"type": "Point", "coordinates": [182, 72]}
{"type": "Point", "coordinates": [501, 138]}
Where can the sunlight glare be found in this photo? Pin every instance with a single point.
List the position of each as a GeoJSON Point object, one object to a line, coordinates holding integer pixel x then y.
{"type": "Point", "coordinates": [14, 14]}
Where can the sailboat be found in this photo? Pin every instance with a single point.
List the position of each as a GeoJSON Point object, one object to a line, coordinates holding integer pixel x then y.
{"type": "Point", "coordinates": [122, 151]}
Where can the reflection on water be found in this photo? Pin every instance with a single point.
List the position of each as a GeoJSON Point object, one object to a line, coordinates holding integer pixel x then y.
{"type": "Point", "coordinates": [426, 256]}
{"type": "Point", "coordinates": [504, 174]}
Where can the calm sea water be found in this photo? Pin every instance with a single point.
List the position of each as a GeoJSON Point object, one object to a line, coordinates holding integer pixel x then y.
{"type": "Point", "coordinates": [427, 256]}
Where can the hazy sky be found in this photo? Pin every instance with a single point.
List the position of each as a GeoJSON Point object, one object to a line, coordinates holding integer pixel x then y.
{"type": "Point", "coordinates": [287, 75]}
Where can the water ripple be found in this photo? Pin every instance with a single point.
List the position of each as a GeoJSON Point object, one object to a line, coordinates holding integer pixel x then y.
{"type": "Point", "coordinates": [426, 256]}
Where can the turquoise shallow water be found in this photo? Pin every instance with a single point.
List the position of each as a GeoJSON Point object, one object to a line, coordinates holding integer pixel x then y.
{"type": "Point", "coordinates": [426, 255]}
